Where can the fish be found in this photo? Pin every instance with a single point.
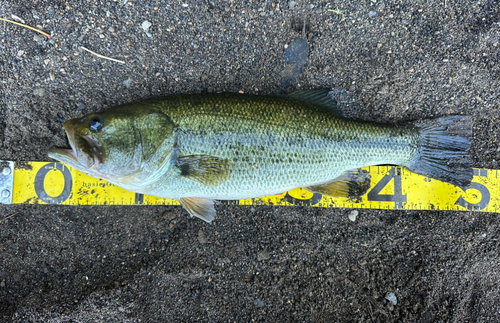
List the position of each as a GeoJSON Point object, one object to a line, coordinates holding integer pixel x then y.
{"type": "Point", "coordinates": [199, 148]}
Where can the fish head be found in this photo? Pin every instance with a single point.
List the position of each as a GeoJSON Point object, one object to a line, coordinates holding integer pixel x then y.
{"type": "Point", "coordinates": [113, 144]}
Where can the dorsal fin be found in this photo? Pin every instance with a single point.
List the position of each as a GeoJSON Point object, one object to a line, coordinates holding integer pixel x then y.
{"type": "Point", "coordinates": [319, 97]}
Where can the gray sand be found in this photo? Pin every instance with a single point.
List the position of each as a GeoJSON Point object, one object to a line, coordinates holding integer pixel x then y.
{"type": "Point", "coordinates": [403, 60]}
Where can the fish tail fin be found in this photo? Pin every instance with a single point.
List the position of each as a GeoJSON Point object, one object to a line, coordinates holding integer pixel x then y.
{"type": "Point", "coordinates": [444, 151]}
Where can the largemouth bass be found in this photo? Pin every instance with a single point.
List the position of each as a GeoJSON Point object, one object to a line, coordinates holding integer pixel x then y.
{"type": "Point", "coordinates": [204, 147]}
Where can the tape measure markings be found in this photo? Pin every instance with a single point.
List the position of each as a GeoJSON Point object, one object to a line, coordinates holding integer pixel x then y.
{"type": "Point", "coordinates": [391, 188]}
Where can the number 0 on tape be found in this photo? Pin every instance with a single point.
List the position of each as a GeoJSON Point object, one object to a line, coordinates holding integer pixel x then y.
{"type": "Point", "coordinates": [391, 188]}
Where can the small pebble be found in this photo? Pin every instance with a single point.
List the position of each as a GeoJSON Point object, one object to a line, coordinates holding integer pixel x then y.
{"type": "Point", "coordinates": [259, 303]}
{"type": "Point", "coordinates": [39, 92]}
{"type": "Point", "coordinates": [201, 237]}
{"type": "Point", "coordinates": [14, 17]}
{"type": "Point", "coordinates": [20, 53]}
{"type": "Point", "coordinates": [391, 298]}
{"type": "Point", "coordinates": [169, 216]}
{"type": "Point", "coordinates": [353, 214]}
{"type": "Point", "coordinates": [80, 106]}
{"type": "Point", "coordinates": [2, 284]}
{"type": "Point", "coordinates": [127, 82]}
{"type": "Point", "coordinates": [372, 14]}
{"type": "Point", "coordinates": [263, 255]}
{"type": "Point", "coordinates": [145, 25]}
{"type": "Point", "coordinates": [291, 5]}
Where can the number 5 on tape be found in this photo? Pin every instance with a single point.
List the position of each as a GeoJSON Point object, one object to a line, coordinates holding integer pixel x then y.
{"type": "Point", "coordinates": [391, 188]}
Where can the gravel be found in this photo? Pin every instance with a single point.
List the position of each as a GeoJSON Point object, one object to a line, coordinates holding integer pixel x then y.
{"type": "Point", "coordinates": [353, 215]}
{"type": "Point", "coordinates": [412, 60]}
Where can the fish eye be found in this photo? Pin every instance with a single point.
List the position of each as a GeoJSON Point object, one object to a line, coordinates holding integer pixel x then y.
{"type": "Point", "coordinates": [96, 123]}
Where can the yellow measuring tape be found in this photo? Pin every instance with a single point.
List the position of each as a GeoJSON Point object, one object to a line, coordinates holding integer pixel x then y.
{"type": "Point", "coordinates": [391, 188]}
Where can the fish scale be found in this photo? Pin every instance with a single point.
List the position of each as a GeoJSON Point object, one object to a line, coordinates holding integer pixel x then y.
{"type": "Point", "coordinates": [277, 147]}
{"type": "Point", "coordinates": [197, 148]}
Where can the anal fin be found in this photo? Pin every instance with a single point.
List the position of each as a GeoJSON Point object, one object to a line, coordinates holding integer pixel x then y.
{"type": "Point", "coordinates": [199, 207]}
{"type": "Point", "coordinates": [351, 184]}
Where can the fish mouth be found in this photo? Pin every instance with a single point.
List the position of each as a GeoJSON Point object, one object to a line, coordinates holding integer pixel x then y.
{"type": "Point", "coordinates": [84, 152]}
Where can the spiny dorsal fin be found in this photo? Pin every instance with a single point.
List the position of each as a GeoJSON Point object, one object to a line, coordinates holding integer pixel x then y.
{"type": "Point", "coordinates": [205, 169]}
{"type": "Point", "coordinates": [353, 183]}
{"type": "Point", "coordinates": [319, 97]}
{"type": "Point", "coordinates": [199, 207]}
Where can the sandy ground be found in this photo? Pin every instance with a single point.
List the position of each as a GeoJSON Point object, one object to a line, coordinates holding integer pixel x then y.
{"type": "Point", "coordinates": [403, 60]}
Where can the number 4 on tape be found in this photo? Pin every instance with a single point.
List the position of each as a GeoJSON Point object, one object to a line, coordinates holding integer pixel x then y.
{"type": "Point", "coordinates": [398, 197]}
{"type": "Point", "coordinates": [55, 183]}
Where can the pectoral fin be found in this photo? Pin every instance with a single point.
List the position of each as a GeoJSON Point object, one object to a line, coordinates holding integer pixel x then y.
{"type": "Point", "coordinates": [208, 170]}
{"type": "Point", "coordinates": [199, 207]}
{"type": "Point", "coordinates": [353, 183]}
